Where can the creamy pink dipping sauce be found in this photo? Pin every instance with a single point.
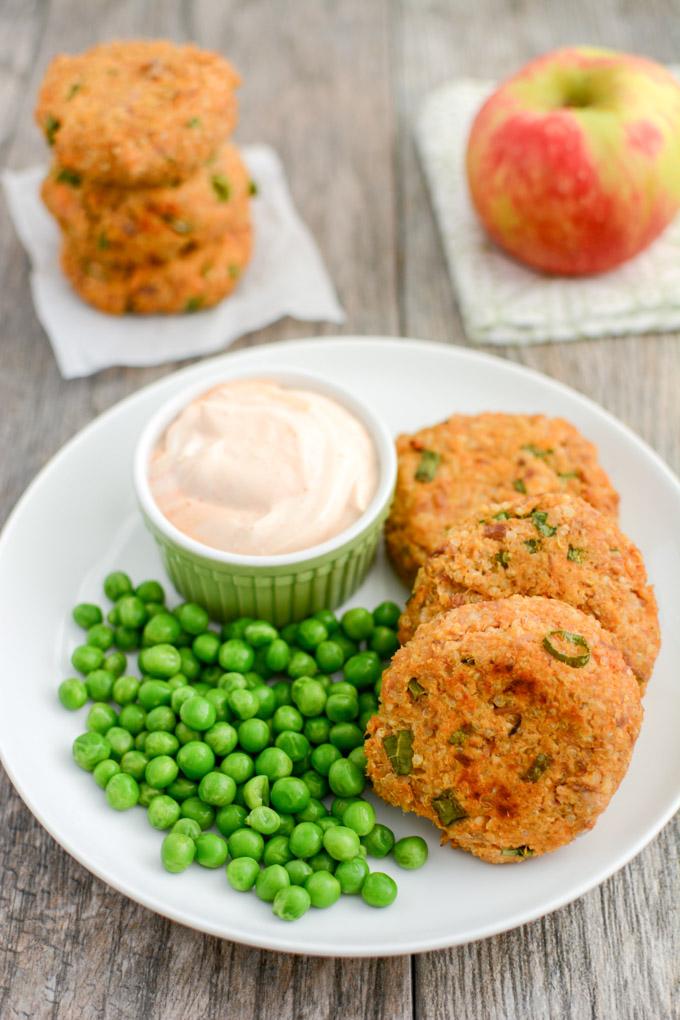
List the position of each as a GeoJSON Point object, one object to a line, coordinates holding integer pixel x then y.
{"type": "Point", "coordinates": [257, 468]}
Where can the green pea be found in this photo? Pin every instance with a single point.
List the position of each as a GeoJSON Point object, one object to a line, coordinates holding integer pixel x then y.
{"type": "Point", "coordinates": [358, 757]}
{"type": "Point", "coordinates": [161, 771]}
{"type": "Point", "coordinates": [329, 656]}
{"type": "Point", "coordinates": [267, 703]}
{"type": "Point", "coordinates": [277, 656]}
{"type": "Point", "coordinates": [289, 633]}
{"type": "Point", "coordinates": [323, 757]}
{"type": "Point", "coordinates": [161, 661]}
{"type": "Point", "coordinates": [386, 615]}
{"type": "Point", "coordinates": [206, 647]}
{"type": "Point", "coordinates": [410, 852]}
{"type": "Point", "coordinates": [351, 875]}
{"type": "Point", "coordinates": [289, 795]}
{"type": "Point", "coordinates": [281, 691]}
{"type": "Point", "coordinates": [87, 615]}
{"type": "Point", "coordinates": [132, 718]}
{"type": "Point", "coordinates": [125, 689]}
{"type": "Point", "coordinates": [230, 818]}
{"type": "Point", "coordinates": [116, 585]}
{"type": "Point", "coordinates": [101, 717]}
{"type": "Point", "coordinates": [112, 616]}
{"type": "Point", "coordinates": [298, 871]}
{"type": "Point", "coordinates": [378, 889]}
{"type": "Point", "coordinates": [273, 763]}
{"type": "Point", "coordinates": [200, 688]}
{"type": "Point", "coordinates": [187, 826]}
{"type": "Point", "coordinates": [236, 656]}
{"type": "Point", "coordinates": [163, 812]}
{"type": "Point", "coordinates": [317, 730]}
{"type": "Point", "coordinates": [323, 888]}
{"type": "Point", "coordinates": [121, 741]}
{"type": "Point", "coordinates": [153, 693]}
{"type": "Point", "coordinates": [256, 792]}
{"type": "Point", "coordinates": [122, 792]}
{"type": "Point", "coordinates": [134, 764]}
{"type": "Point", "coordinates": [147, 794]}
{"type": "Point", "coordinates": [239, 766]}
{"type": "Point", "coordinates": [342, 707]}
{"type": "Point", "coordinates": [192, 618]}
{"type": "Point", "coordinates": [211, 850]}
{"type": "Point", "coordinates": [384, 642]}
{"type": "Point", "coordinates": [264, 819]}
{"type": "Point", "coordinates": [260, 633]}
{"type": "Point", "coordinates": [242, 873]}
{"type": "Point", "coordinates": [150, 591]}
{"type": "Point", "coordinates": [196, 759]}
{"type": "Point", "coordinates": [222, 738]}
{"type": "Point", "coordinates": [181, 789]}
{"type": "Point", "coordinates": [357, 624]}
{"type": "Point", "coordinates": [153, 608]}
{"type": "Point", "coordinates": [316, 784]}
{"type": "Point", "coordinates": [295, 745]}
{"type": "Point", "coordinates": [140, 740]}
{"type": "Point", "coordinates": [301, 664]}
{"type": "Point", "coordinates": [305, 840]}
{"type": "Point", "coordinates": [286, 825]}
{"type": "Point", "coordinates": [181, 694]}
{"type": "Point", "coordinates": [202, 813]}
{"type": "Point", "coordinates": [341, 842]}
{"type": "Point", "coordinates": [346, 736]}
{"type": "Point", "coordinates": [360, 817]}
{"type": "Point", "coordinates": [126, 638]}
{"type": "Point", "coordinates": [177, 852]}
{"type": "Point", "coordinates": [291, 903]}
{"type": "Point", "coordinates": [198, 713]}
{"type": "Point", "coordinates": [217, 789]}
{"type": "Point", "coordinates": [349, 648]}
{"type": "Point", "coordinates": [131, 611]}
{"type": "Point", "coordinates": [104, 771]}
{"type": "Point", "coordinates": [72, 693]}
{"type": "Point", "coordinates": [243, 704]}
{"type": "Point", "coordinates": [99, 684]}
{"type": "Point", "coordinates": [379, 841]}
{"type": "Point", "coordinates": [161, 719]}
{"type": "Point", "coordinates": [310, 634]}
{"type": "Point", "coordinates": [287, 717]}
{"type": "Point", "coordinates": [270, 880]}
{"type": "Point", "coordinates": [309, 696]}
{"type": "Point", "coordinates": [277, 851]}
{"type": "Point", "coordinates": [115, 663]}
{"type": "Point", "coordinates": [363, 669]}
{"type": "Point", "coordinates": [253, 735]}
{"type": "Point", "coordinates": [313, 812]}
{"type": "Point", "coordinates": [160, 742]}
{"type": "Point", "coordinates": [86, 658]}
{"type": "Point", "coordinates": [162, 629]}
{"type": "Point", "coordinates": [191, 667]}
{"type": "Point", "coordinates": [100, 636]}
{"type": "Point", "coordinates": [246, 843]}
{"type": "Point", "coordinates": [345, 779]}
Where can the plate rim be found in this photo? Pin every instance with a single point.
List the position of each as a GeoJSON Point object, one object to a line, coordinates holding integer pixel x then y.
{"type": "Point", "coordinates": [279, 944]}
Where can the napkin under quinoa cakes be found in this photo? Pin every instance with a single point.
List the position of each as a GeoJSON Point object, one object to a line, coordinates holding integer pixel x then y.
{"type": "Point", "coordinates": [125, 225]}
{"type": "Point", "coordinates": [188, 283]}
{"type": "Point", "coordinates": [137, 113]}
{"type": "Point", "coordinates": [554, 545]}
{"type": "Point", "coordinates": [447, 470]}
{"type": "Point", "coordinates": [509, 724]}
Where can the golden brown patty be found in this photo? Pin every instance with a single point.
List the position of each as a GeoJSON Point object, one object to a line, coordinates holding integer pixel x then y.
{"type": "Point", "coordinates": [187, 284]}
{"type": "Point", "coordinates": [131, 225]}
{"type": "Point", "coordinates": [137, 113]}
{"type": "Point", "coordinates": [445, 471]}
{"type": "Point", "coordinates": [509, 724]}
{"type": "Point", "coordinates": [554, 545]}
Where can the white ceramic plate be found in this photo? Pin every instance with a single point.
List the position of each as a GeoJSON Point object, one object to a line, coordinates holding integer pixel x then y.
{"type": "Point", "coordinates": [78, 520]}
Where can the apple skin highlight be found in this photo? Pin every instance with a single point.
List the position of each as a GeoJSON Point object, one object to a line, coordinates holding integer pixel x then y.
{"type": "Point", "coordinates": [574, 163]}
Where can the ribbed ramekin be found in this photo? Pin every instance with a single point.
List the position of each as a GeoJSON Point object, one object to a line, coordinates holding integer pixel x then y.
{"type": "Point", "coordinates": [282, 588]}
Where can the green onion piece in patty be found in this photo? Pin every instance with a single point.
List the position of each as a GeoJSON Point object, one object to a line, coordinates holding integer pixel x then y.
{"type": "Point", "coordinates": [567, 475]}
{"type": "Point", "coordinates": [517, 851]}
{"type": "Point", "coordinates": [519, 486]}
{"type": "Point", "coordinates": [194, 122]}
{"type": "Point", "coordinates": [533, 545]}
{"type": "Point", "coordinates": [52, 125]}
{"type": "Point", "coordinates": [221, 187]}
{"type": "Point", "coordinates": [66, 176]}
{"type": "Point", "coordinates": [193, 304]}
{"type": "Point", "coordinates": [540, 519]}
{"type": "Point", "coordinates": [252, 188]}
{"type": "Point", "coordinates": [575, 554]}
{"type": "Point", "coordinates": [399, 749]}
{"type": "Point", "coordinates": [458, 738]}
{"type": "Point", "coordinates": [74, 90]}
{"type": "Point", "coordinates": [447, 807]}
{"type": "Point", "coordinates": [415, 689]}
{"type": "Point", "coordinates": [538, 766]}
{"type": "Point", "coordinates": [427, 466]}
{"type": "Point", "coordinates": [503, 557]}
{"type": "Point", "coordinates": [577, 661]}
{"type": "Point", "coordinates": [537, 451]}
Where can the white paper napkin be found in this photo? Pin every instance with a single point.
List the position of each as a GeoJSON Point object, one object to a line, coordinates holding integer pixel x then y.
{"type": "Point", "coordinates": [285, 277]}
{"type": "Point", "coordinates": [503, 302]}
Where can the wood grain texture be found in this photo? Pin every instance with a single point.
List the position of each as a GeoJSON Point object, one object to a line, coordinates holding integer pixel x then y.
{"type": "Point", "coordinates": [334, 86]}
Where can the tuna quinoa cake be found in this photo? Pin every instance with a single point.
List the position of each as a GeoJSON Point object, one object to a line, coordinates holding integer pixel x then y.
{"type": "Point", "coordinates": [508, 724]}
{"type": "Point", "coordinates": [554, 545]}
{"type": "Point", "coordinates": [188, 283]}
{"type": "Point", "coordinates": [447, 470]}
{"type": "Point", "coordinates": [137, 113]}
{"type": "Point", "coordinates": [132, 225]}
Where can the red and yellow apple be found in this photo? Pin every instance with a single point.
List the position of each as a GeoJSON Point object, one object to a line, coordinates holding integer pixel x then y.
{"type": "Point", "coordinates": [574, 163]}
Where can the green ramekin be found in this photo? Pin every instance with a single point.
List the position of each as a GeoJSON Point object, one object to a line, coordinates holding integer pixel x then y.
{"type": "Point", "coordinates": [282, 588]}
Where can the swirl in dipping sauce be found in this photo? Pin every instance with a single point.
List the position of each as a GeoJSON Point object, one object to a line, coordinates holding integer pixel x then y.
{"type": "Point", "coordinates": [256, 468]}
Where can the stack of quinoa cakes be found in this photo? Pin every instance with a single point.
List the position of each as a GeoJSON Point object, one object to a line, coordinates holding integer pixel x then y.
{"type": "Point", "coordinates": [152, 198]}
{"type": "Point", "coordinates": [509, 716]}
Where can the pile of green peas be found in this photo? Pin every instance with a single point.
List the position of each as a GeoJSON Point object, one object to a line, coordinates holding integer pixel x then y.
{"type": "Point", "coordinates": [242, 730]}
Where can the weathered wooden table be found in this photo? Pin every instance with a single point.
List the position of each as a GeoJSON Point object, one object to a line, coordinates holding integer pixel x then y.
{"type": "Point", "coordinates": [334, 87]}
